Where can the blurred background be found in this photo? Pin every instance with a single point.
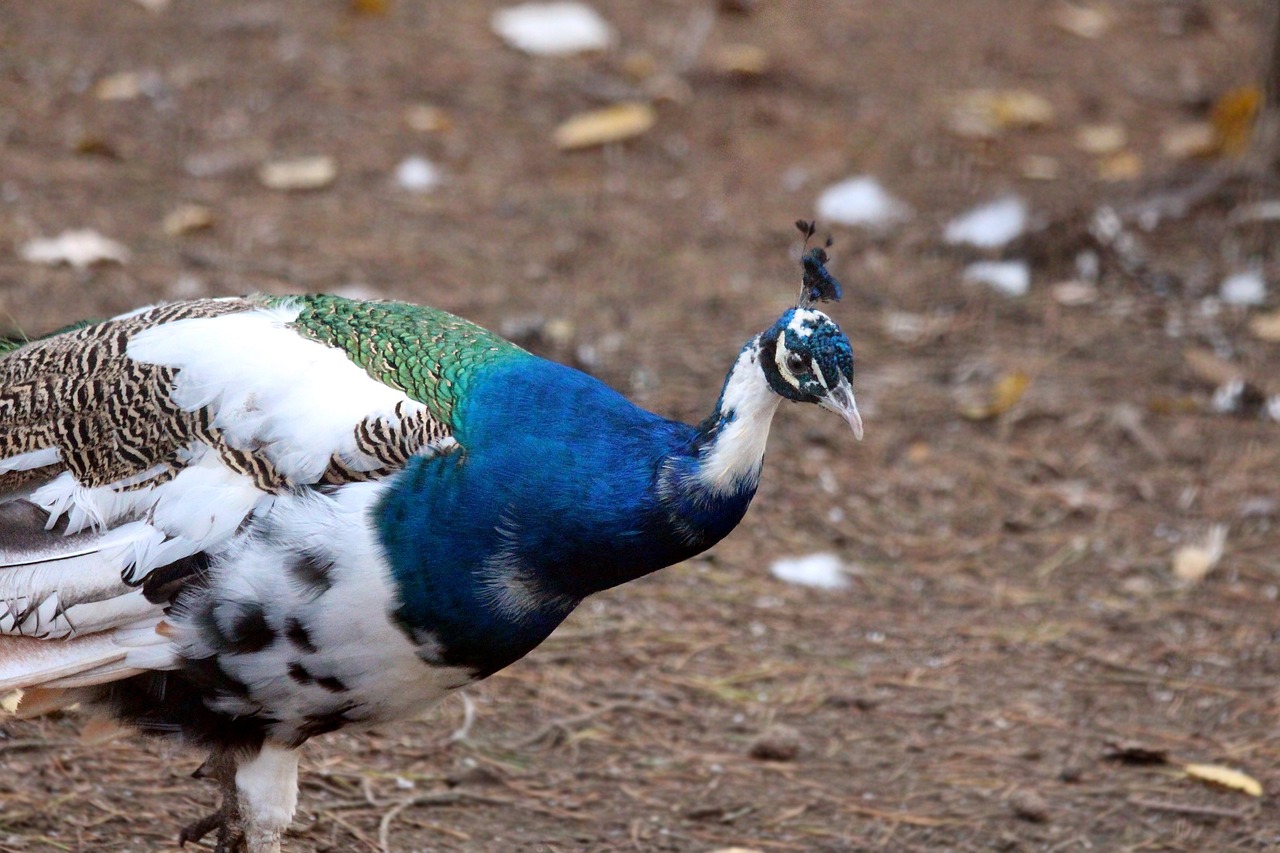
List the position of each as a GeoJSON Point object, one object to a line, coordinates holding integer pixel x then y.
{"type": "Point", "coordinates": [1015, 617]}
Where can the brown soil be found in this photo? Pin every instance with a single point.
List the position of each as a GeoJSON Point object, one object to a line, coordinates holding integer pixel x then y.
{"type": "Point", "coordinates": [1014, 643]}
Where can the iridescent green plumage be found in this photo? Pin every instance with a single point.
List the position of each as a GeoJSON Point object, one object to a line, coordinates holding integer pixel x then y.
{"type": "Point", "coordinates": [427, 353]}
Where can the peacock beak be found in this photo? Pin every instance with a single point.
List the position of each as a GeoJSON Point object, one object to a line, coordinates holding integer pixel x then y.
{"type": "Point", "coordinates": [840, 400]}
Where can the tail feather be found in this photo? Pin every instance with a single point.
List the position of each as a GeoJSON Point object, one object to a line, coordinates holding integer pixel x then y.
{"type": "Point", "coordinates": [57, 585]}
{"type": "Point", "coordinates": [27, 662]}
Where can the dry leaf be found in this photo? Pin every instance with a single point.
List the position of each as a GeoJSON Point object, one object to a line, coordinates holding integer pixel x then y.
{"type": "Point", "coordinates": [370, 7]}
{"type": "Point", "coordinates": [1216, 774]}
{"type": "Point", "coordinates": [122, 86]}
{"type": "Point", "coordinates": [304, 173]}
{"type": "Point", "coordinates": [984, 113]}
{"type": "Point", "coordinates": [1088, 22]}
{"type": "Point", "coordinates": [1005, 394]}
{"type": "Point", "coordinates": [639, 65]}
{"type": "Point", "coordinates": [187, 218]}
{"type": "Point", "coordinates": [1232, 117]}
{"type": "Point", "coordinates": [601, 127]}
{"type": "Point", "coordinates": [745, 60]}
{"type": "Point", "coordinates": [1101, 138]}
{"type": "Point", "coordinates": [1210, 369]}
{"type": "Point", "coordinates": [1074, 293]}
{"type": "Point", "coordinates": [1266, 327]}
{"type": "Point", "coordinates": [9, 702]}
{"type": "Point", "coordinates": [1188, 140]}
{"type": "Point", "coordinates": [425, 118]}
{"type": "Point", "coordinates": [1195, 560]}
{"type": "Point", "coordinates": [96, 146]}
{"type": "Point", "coordinates": [1165, 405]}
{"type": "Point", "coordinates": [1039, 167]}
{"type": "Point", "coordinates": [1122, 166]}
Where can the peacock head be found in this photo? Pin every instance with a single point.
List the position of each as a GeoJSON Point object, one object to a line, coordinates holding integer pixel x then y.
{"type": "Point", "coordinates": [805, 356]}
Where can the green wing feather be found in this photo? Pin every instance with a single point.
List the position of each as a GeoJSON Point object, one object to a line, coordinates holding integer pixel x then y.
{"type": "Point", "coordinates": [427, 353]}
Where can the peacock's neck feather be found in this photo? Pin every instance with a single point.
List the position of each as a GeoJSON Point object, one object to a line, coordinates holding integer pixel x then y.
{"type": "Point", "coordinates": [561, 489]}
{"type": "Point", "coordinates": [732, 440]}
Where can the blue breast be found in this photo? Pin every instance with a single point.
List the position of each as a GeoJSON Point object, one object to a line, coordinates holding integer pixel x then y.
{"type": "Point", "coordinates": [557, 475]}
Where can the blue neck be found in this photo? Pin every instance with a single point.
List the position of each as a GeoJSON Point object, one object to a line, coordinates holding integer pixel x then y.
{"type": "Point", "coordinates": [563, 489]}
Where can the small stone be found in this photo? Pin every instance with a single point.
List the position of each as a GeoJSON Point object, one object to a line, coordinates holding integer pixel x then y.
{"type": "Point", "coordinates": [822, 570]}
{"type": "Point", "coordinates": [861, 201]}
{"type": "Point", "coordinates": [1012, 278]}
{"type": "Point", "coordinates": [553, 29]}
{"type": "Point", "coordinates": [1244, 288]}
{"type": "Point", "coordinates": [777, 743]}
{"type": "Point", "coordinates": [1029, 806]}
{"type": "Point", "coordinates": [989, 226]}
{"type": "Point", "coordinates": [417, 175]}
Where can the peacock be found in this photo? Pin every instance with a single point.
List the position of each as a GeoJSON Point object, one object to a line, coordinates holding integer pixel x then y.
{"type": "Point", "coordinates": [245, 522]}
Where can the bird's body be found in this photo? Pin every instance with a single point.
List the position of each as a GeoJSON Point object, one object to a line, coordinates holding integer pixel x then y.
{"type": "Point", "coordinates": [248, 522]}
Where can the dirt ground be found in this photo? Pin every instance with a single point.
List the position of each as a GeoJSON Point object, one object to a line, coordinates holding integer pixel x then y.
{"type": "Point", "coordinates": [1015, 665]}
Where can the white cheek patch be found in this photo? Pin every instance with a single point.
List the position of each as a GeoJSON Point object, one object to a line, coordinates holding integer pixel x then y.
{"type": "Point", "coordinates": [817, 372]}
{"type": "Point", "coordinates": [780, 354]}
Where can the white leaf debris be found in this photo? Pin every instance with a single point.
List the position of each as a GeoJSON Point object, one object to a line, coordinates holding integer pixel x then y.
{"type": "Point", "coordinates": [552, 29]}
{"type": "Point", "coordinates": [1195, 560]}
{"type": "Point", "coordinates": [80, 249]}
{"type": "Point", "coordinates": [989, 226]}
{"type": "Point", "coordinates": [1087, 22]}
{"type": "Point", "coordinates": [824, 571]}
{"type": "Point", "coordinates": [861, 201]}
{"type": "Point", "coordinates": [418, 175]}
{"type": "Point", "coordinates": [1074, 293]}
{"type": "Point", "coordinates": [1012, 278]}
{"type": "Point", "coordinates": [1244, 288]}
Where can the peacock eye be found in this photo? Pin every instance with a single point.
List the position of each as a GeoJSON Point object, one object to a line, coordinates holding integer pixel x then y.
{"type": "Point", "coordinates": [796, 363]}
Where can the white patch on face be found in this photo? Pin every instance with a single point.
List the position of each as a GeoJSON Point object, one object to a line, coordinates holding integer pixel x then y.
{"type": "Point", "coordinates": [780, 355]}
{"type": "Point", "coordinates": [817, 374]}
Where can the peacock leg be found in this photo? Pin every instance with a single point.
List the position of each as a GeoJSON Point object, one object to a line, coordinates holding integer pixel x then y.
{"type": "Point", "coordinates": [267, 788]}
{"type": "Point", "coordinates": [221, 767]}
{"type": "Point", "coordinates": [259, 795]}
